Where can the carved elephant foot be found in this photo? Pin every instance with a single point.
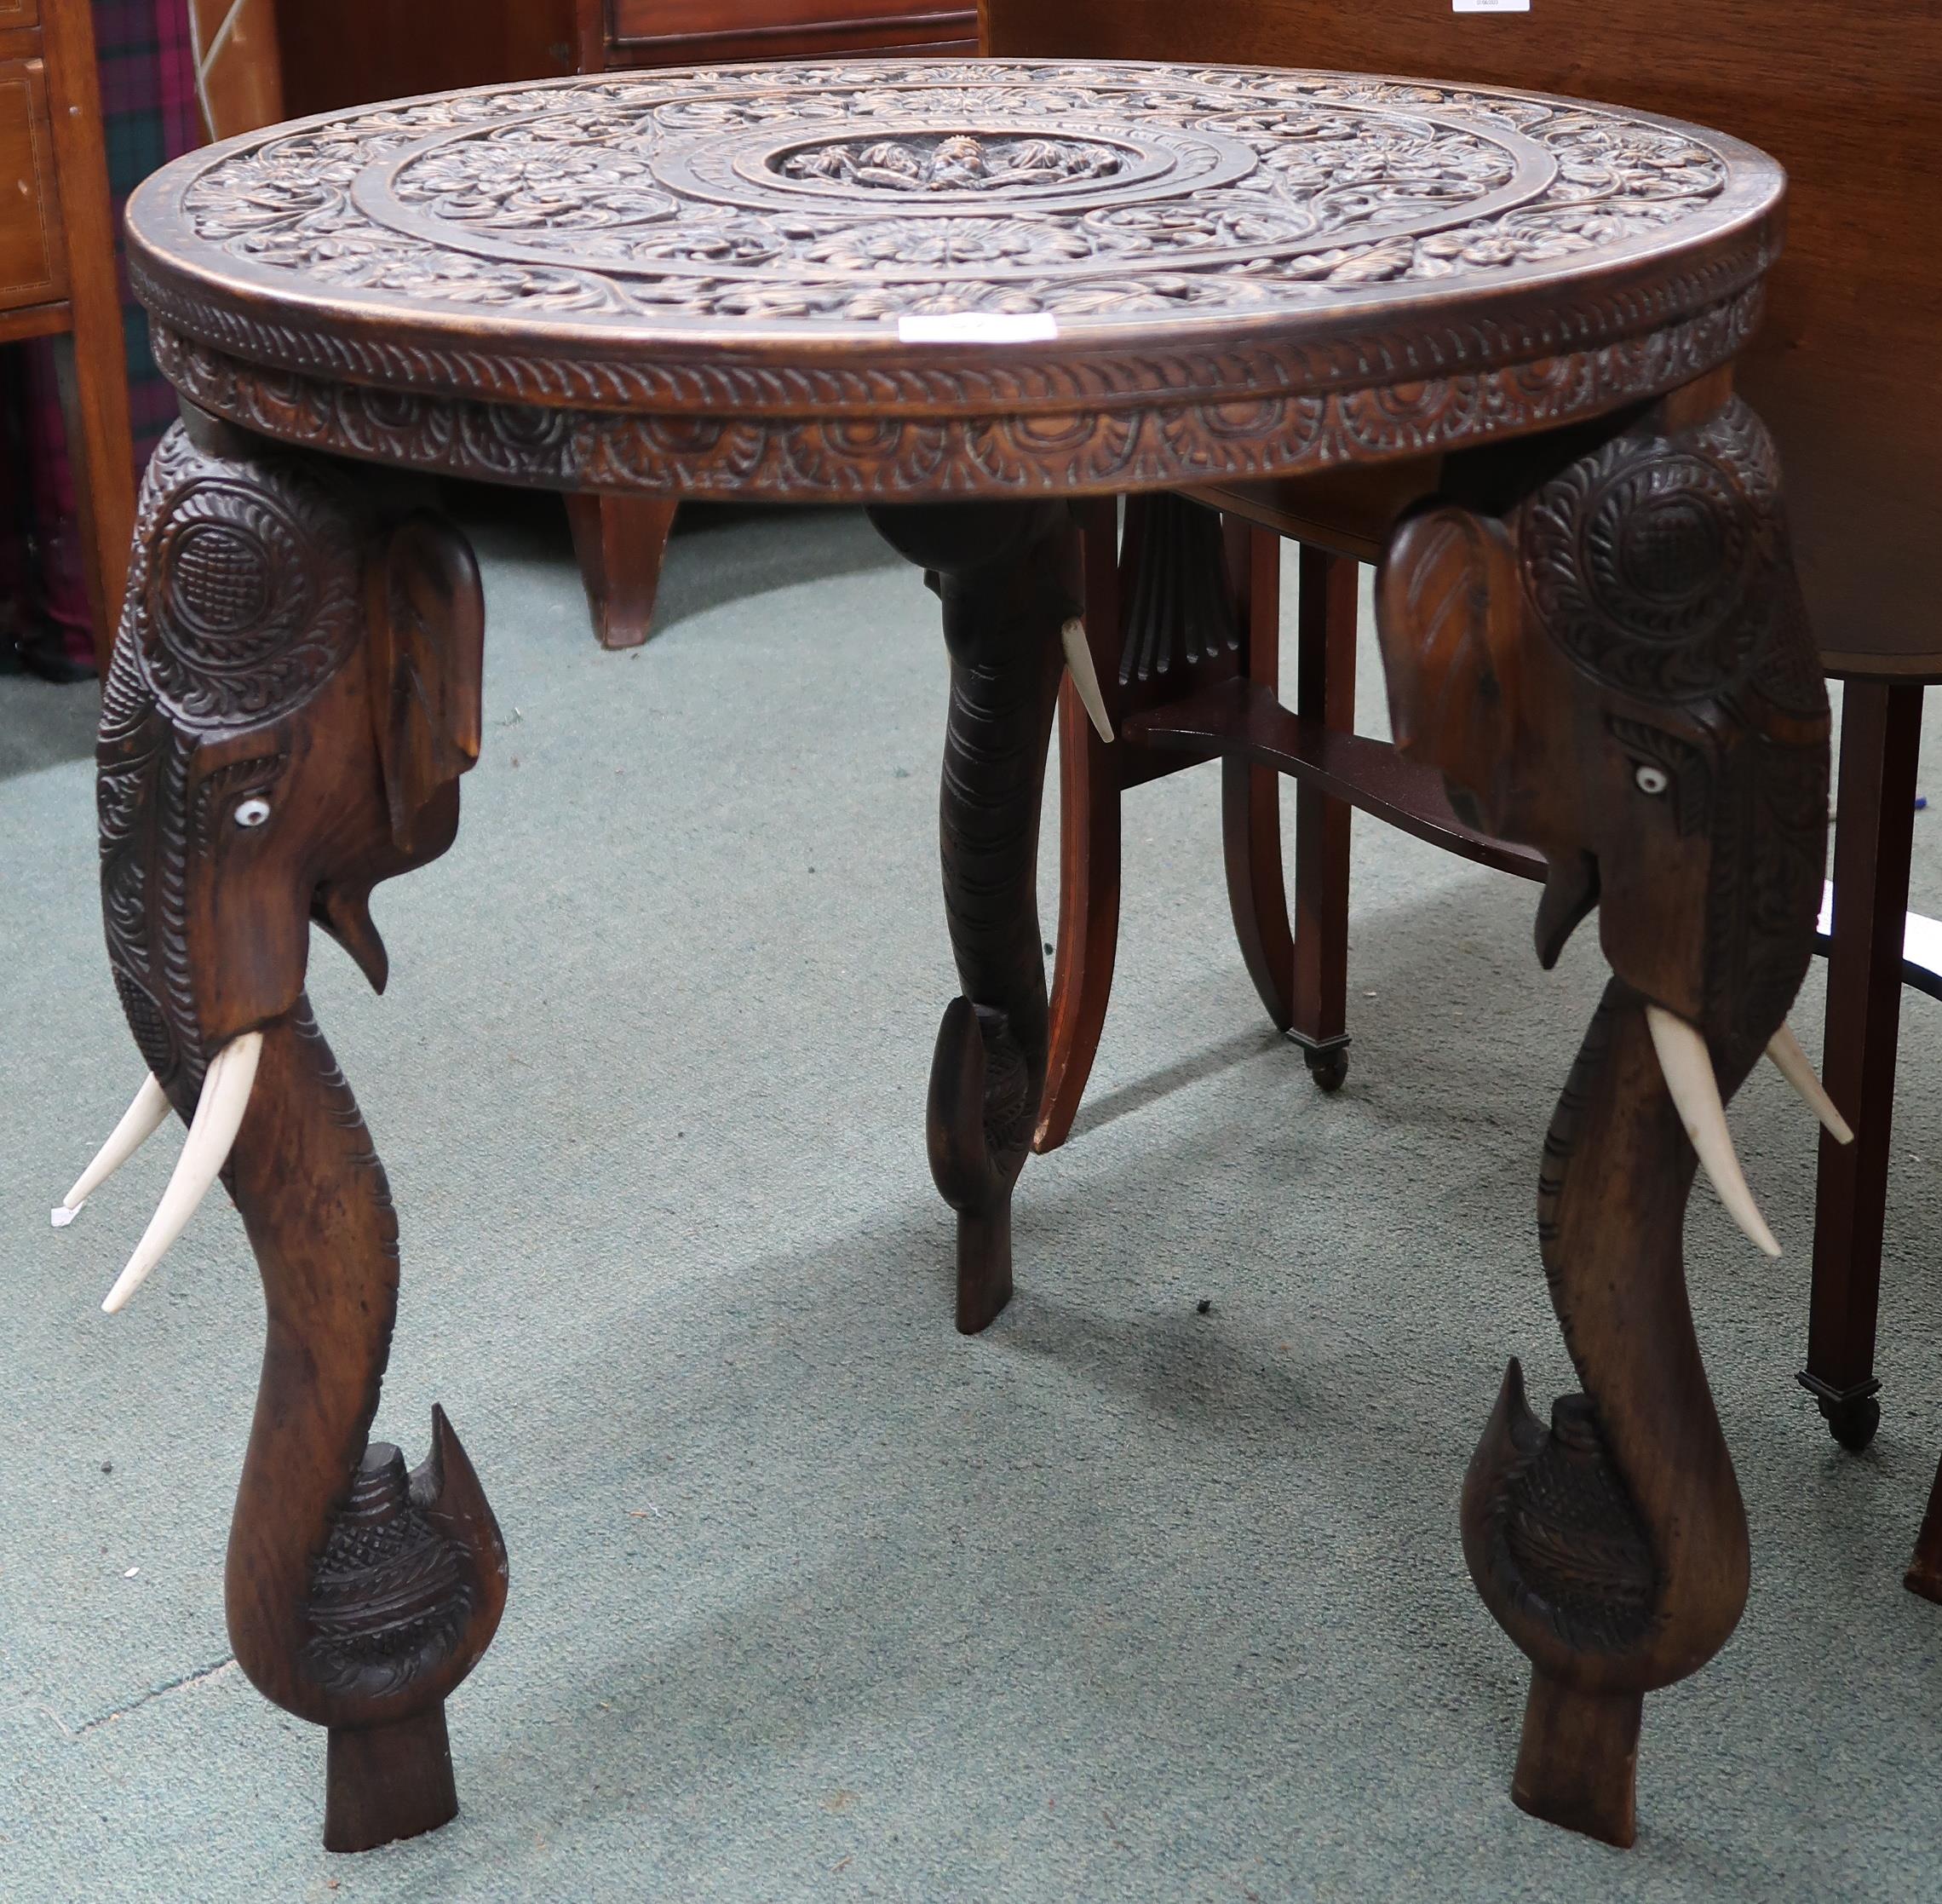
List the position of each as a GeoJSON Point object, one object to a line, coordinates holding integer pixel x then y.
{"type": "Point", "coordinates": [1611, 661]}
{"type": "Point", "coordinates": [293, 695]}
{"type": "Point", "coordinates": [1577, 1761]}
{"type": "Point", "coordinates": [1009, 577]}
{"type": "Point", "coordinates": [1924, 1574]}
{"type": "Point", "coordinates": [385, 1782]}
{"type": "Point", "coordinates": [967, 1102]}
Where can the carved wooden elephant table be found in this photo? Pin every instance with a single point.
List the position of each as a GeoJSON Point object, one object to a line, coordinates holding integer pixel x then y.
{"type": "Point", "coordinates": [971, 298]}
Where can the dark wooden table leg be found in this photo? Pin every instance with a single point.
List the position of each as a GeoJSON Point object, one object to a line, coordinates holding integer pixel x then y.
{"type": "Point", "coordinates": [1250, 795]}
{"type": "Point", "coordinates": [1325, 690]}
{"type": "Point", "coordinates": [1009, 578]}
{"type": "Point", "coordinates": [1874, 837]}
{"type": "Point", "coordinates": [1089, 845]}
{"type": "Point", "coordinates": [620, 543]}
{"type": "Point", "coordinates": [1612, 659]}
{"type": "Point", "coordinates": [294, 697]}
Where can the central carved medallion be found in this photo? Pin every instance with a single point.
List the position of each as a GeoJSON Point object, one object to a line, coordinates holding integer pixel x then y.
{"type": "Point", "coordinates": [951, 161]}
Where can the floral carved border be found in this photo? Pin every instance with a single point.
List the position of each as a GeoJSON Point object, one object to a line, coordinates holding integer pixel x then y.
{"type": "Point", "coordinates": [1162, 442]}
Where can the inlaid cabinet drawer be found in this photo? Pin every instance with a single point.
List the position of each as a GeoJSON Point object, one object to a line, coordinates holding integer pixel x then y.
{"type": "Point", "coordinates": [31, 267]}
{"type": "Point", "coordinates": [19, 12]}
{"type": "Point", "coordinates": [702, 30]}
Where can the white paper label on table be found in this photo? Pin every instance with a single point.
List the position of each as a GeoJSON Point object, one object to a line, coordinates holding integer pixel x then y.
{"type": "Point", "coordinates": [1490, 6]}
{"type": "Point", "coordinates": [978, 327]}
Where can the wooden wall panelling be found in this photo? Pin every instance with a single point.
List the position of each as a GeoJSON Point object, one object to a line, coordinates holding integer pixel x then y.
{"type": "Point", "coordinates": [338, 53]}
{"type": "Point", "coordinates": [1849, 99]}
{"type": "Point", "coordinates": [239, 66]}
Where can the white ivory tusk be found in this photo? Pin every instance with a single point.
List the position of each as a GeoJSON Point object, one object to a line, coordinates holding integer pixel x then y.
{"type": "Point", "coordinates": [1688, 1068]}
{"type": "Point", "coordinates": [1085, 678]}
{"type": "Point", "coordinates": [140, 1122]}
{"type": "Point", "coordinates": [1785, 1049]}
{"type": "Point", "coordinates": [219, 1116]}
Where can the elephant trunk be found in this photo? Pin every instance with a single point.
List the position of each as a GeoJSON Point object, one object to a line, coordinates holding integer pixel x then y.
{"type": "Point", "coordinates": [1004, 679]}
{"type": "Point", "coordinates": [357, 1596]}
{"type": "Point", "coordinates": [351, 1590]}
{"type": "Point", "coordinates": [1611, 1546]}
{"type": "Point", "coordinates": [1009, 575]}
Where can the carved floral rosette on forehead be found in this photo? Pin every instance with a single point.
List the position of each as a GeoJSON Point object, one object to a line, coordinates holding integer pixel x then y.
{"type": "Point", "coordinates": [872, 192]}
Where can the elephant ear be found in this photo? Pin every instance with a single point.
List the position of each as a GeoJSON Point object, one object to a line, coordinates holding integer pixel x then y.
{"type": "Point", "coordinates": [1446, 610]}
{"type": "Point", "coordinates": [428, 647]}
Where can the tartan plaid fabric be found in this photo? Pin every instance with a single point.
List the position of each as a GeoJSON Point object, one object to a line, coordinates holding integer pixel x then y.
{"type": "Point", "coordinates": [148, 111]}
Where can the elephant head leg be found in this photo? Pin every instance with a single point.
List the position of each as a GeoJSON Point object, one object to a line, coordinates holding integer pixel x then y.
{"type": "Point", "coordinates": [1611, 661]}
{"type": "Point", "coordinates": [293, 695]}
{"type": "Point", "coordinates": [1008, 574]}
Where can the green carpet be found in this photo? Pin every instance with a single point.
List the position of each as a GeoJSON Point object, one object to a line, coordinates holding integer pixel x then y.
{"type": "Point", "coordinates": [811, 1597]}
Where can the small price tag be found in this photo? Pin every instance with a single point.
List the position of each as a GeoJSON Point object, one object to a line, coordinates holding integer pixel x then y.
{"type": "Point", "coordinates": [1490, 6]}
{"type": "Point", "coordinates": [978, 327]}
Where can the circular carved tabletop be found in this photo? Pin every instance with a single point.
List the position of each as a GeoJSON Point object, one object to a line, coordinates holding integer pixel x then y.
{"type": "Point", "coordinates": [900, 279]}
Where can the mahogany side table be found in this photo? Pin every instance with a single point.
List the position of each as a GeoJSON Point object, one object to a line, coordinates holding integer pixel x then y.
{"type": "Point", "coordinates": [972, 297]}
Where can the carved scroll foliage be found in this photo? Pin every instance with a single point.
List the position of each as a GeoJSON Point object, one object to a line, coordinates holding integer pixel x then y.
{"type": "Point", "coordinates": [854, 193]}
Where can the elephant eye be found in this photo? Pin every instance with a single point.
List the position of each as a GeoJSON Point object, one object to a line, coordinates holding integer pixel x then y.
{"type": "Point", "coordinates": [253, 811]}
{"type": "Point", "coordinates": [1649, 779]}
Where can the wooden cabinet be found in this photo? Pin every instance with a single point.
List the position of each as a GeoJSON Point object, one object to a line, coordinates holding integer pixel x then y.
{"type": "Point", "coordinates": [32, 268]}
{"type": "Point", "coordinates": [57, 269]}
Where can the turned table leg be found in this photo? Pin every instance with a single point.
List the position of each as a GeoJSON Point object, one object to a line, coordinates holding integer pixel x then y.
{"type": "Point", "coordinates": [1325, 691]}
{"type": "Point", "coordinates": [293, 697]}
{"type": "Point", "coordinates": [1009, 577]}
{"type": "Point", "coordinates": [621, 543]}
{"type": "Point", "coordinates": [1874, 839]}
{"type": "Point", "coordinates": [1250, 797]}
{"type": "Point", "coordinates": [1611, 661]}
